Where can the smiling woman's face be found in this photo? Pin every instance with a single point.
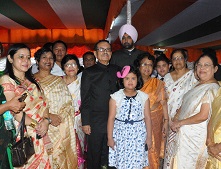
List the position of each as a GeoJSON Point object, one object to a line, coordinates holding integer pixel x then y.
{"type": "Point", "coordinates": [178, 60]}
{"type": "Point", "coordinates": [205, 69]}
{"type": "Point", "coordinates": [71, 68]}
{"type": "Point", "coordinates": [46, 61]}
{"type": "Point", "coordinates": [146, 67]}
{"type": "Point", "coordinates": [21, 60]}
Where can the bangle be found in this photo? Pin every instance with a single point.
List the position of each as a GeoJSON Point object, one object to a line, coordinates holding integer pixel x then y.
{"type": "Point", "coordinates": [33, 123]}
{"type": "Point", "coordinates": [49, 120]}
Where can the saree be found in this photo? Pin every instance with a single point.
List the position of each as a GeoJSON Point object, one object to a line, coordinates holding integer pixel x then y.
{"type": "Point", "coordinates": [62, 136]}
{"type": "Point", "coordinates": [214, 163]}
{"type": "Point", "coordinates": [189, 146]}
{"type": "Point", "coordinates": [175, 91]}
{"type": "Point", "coordinates": [155, 89]}
{"type": "Point", "coordinates": [35, 107]}
{"type": "Point", "coordinates": [74, 89]}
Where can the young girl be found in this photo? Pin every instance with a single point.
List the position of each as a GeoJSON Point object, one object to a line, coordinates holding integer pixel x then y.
{"type": "Point", "coordinates": [129, 124]}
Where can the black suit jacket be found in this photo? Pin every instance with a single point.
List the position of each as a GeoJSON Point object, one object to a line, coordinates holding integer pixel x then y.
{"type": "Point", "coordinates": [97, 83]}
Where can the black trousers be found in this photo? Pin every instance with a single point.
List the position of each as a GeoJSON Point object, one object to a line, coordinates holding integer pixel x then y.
{"type": "Point", "coordinates": [97, 154]}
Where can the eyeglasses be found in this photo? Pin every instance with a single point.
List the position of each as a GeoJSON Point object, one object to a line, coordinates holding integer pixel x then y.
{"type": "Point", "coordinates": [70, 65]}
{"type": "Point", "coordinates": [103, 49]}
{"type": "Point", "coordinates": [206, 65]}
{"type": "Point", "coordinates": [146, 65]}
{"type": "Point", "coordinates": [178, 58]}
{"type": "Point", "coordinates": [89, 60]}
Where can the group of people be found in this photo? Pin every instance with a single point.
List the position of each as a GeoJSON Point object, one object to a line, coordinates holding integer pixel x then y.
{"type": "Point", "coordinates": [115, 113]}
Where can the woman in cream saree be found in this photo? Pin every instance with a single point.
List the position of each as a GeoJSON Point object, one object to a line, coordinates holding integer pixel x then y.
{"type": "Point", "coordinates": [214, 135]}
{"type": "Point", "coordinates": [35, 107]}
{"type": "Point", "coordinates": [17, 81]}
{"type": "Point", "coordinates": [190, 122]}
{"type": "Point", "coordinates": [190, 149]}
{"type": "Point", "coordinates": [61, 112]}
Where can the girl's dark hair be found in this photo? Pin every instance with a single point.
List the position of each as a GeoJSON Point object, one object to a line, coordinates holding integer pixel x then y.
{"type": "Point", "coordinates": [41, 51]}
{"type": "Point", "coordinates": [9, 70]}
{"type": "Point", "coordinates": [139, 78]}
{"type": "Point", "coordinates": [141, 57]}
{"type": "Point", "coordinates": [211, 56]}
{"type": "Point", "coordinates": [68, 57]}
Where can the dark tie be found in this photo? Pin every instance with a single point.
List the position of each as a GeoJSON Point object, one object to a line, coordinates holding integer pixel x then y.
{"type": "Point", "coordinates": [162, 78]}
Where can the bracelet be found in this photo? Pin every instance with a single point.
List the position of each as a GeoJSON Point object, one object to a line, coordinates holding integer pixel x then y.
{"type": "Point", "coordinates": [165, 120]}
{"type": "Point", "coordinates": [49, 120]}
{"type": "Point", "coordinates": [33, 123]}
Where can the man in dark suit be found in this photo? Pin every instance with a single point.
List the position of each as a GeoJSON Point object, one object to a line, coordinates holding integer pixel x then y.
{"type": "Point", "coordinates": [97, 83]}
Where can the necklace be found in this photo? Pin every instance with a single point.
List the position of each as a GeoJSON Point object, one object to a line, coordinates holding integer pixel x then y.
{"type": "Point", "coordinates": [69, 80]}
{"type": "Point", "coordinates": [20, 80]}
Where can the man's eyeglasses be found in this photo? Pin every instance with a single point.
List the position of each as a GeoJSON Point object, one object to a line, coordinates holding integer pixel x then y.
{"type": "Point", "coordinates": [89, 60]}
{"type": "Point", "coordinates": [103, 49]}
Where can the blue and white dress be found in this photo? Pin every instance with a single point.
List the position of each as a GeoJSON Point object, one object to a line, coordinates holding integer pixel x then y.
{"type": "Point", "coordinates": [129, 132]}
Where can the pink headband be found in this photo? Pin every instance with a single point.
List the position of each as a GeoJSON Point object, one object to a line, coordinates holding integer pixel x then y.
{"type": "Point", "coordinates": [124, 72]}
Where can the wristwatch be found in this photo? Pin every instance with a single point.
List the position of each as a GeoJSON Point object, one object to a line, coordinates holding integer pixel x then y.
{"type": "Point", "coordinates": [49, 120]}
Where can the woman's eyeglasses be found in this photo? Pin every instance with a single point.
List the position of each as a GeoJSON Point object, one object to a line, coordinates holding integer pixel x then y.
{"type": "Point", "coordinates": [70, 65]}
{"type": "Point", "coordinates": [178, 58]}
{"type": "Point", "coordinates": [146, 65]}
{"type": "Point", "coordinates": [206, 65]}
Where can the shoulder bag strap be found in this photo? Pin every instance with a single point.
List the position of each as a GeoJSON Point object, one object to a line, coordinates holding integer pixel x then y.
{"type": "Point", "coordinates": [22, 127]}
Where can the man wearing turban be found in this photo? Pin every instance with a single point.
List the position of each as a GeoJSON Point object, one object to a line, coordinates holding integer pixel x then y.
{"type": "Point", "coordinates": [126, 56]}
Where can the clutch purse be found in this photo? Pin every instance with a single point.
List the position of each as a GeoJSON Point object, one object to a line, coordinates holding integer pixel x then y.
{"type": "Point", "coordinates": [22, 150]}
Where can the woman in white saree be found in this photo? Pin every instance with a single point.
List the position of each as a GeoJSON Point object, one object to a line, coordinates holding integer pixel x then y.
{"type": "Point", "coordinates": [70, 65]}
{"type": "Point", "coordinates": [177, 83]}
{"type": "Point", "coordinates": [190, 122]}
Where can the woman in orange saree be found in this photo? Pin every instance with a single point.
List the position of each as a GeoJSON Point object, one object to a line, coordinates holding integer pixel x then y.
{"type": "Point", "coordinates": [158, 106]}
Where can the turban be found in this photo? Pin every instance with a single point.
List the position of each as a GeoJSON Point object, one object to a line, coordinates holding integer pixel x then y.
{"type": "Point", "coordinates": [130, 30]}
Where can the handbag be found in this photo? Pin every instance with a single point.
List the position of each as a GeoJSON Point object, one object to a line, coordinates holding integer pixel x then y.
{"type": "Point", "coordinates": [22, 150]}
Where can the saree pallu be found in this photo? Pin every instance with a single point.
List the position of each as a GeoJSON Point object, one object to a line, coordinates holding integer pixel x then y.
{"type": "Point", "coordinates": [214, 163]}
{"type": "Point", "coordinates": [35, 107]}
{"type": "Point", "coordinates": [62, 136]}
{"type": "Point", "coordinates": [176, 89]}
{"type": "Point", "coordinates": [155, 89]}
{"type": "Point", "coordinates": [74, 89]}
{"type": "Point", "coordinates": [189, 145]}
